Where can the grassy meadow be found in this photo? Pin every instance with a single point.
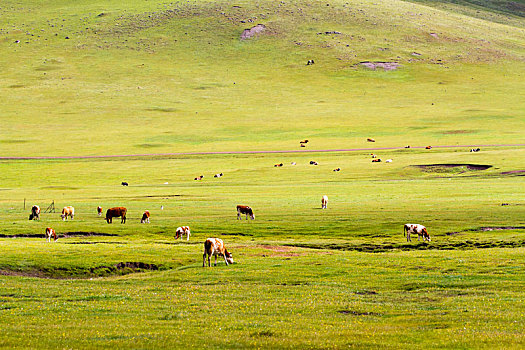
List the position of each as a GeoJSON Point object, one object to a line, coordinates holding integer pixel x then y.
{"type": "Point", "coordinates": [98, 78]}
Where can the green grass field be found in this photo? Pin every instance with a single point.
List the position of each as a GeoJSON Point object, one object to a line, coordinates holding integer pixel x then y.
{"type": "Point", "coordinates": [155, 78]}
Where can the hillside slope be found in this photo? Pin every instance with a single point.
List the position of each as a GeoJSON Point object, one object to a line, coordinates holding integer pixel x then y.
{"type": "Point", "coordinates": [103, 78]}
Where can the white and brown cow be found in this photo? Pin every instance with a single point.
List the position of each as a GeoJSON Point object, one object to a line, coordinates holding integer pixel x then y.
{"type": "Point", "coordinates": [67, 211]}
{"type": "Point", "coordinates": [145, 217]}
{"type": "Point", "coordinates": [50, 233]}
{"type": "Point", "coordinates": [324, 202]}
{"type": "Point", "coordinates": [420, 230]}
{"type": "Point", "coordinates": [215, 246]}
{"type": "Point", "coordinates": [244, 209]}
{"type": "Point", "coordinates": [181, 231]}
{"type": "Point", "coordinates": [99, 210]}
{"type": "Point", "coordinates": [35, 213]}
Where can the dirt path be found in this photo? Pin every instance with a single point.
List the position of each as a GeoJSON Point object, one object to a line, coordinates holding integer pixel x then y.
{"type": "Point", "coordinates": [253, 152]}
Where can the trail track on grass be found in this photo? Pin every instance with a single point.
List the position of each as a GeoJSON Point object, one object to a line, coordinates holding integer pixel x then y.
{"type": "Point", "coordinates": [251, 152]}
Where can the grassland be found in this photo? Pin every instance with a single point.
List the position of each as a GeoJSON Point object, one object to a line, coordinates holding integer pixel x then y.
{"type": "Point", "coordinates": [152, 77]}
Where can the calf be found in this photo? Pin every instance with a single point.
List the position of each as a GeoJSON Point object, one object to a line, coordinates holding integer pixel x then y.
{"type": "Point", "coordinates": [416, 228]}
{"type": "Point", "coordinates": [215, 246]}
{"type": "Point", "coordinates": [99, 211]}
{"type": "Point", "coordinates": [181, 231]}
{"type": "Point", "coordinates": [35, 213]}
{"type": "Point", "coordinates": [115, 213]}
{"type": "Point", "coordinates": [67, 211]}
{"type": "Point", "coordinates": [244, 209]}
{"type": "Point", "coordinates": [324, 202]}
{"type": "Point", "coordinates": [145, 217]}
{"type": "Point", "coordinates": [50, 233]}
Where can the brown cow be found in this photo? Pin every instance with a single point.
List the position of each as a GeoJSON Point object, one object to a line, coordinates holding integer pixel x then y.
{"type": "Point", "coordinates": [115, 213]}
{"type": "Point", "coordinates": [244, 209]}
{"type": "Point", "coordinates": [50, 233]}
{"type": "Point", "coordinates": [99, 210]}
{"type": "Point", "coordinates": [35, 213]}
{"type": "Point", "coordinates": [145, 217]}
{"type": "Point", "coordinates": [215, 246]}
{"type": "Point", "coordinates": [67, 211]}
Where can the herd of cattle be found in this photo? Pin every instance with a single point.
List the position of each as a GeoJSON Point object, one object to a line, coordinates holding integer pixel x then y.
{"type": "Point", "coordinates": [212, 246]}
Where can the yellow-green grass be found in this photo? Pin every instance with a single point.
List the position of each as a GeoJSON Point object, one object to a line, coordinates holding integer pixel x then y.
{"type": "Point", "coordinates": [151, 77]}
{"type": "Point", "coordinates": [132, 81]}
{"type": "Point", "coordinates": [361, 285]}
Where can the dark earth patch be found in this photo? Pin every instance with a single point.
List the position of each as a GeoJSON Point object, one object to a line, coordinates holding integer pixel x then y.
{"type": "Point", "coordinates": [122, 268]}
{"type": "Point", "coordinates": [438, 167]}
{"type": "Point", "coordinates": [381, 248]}
{"type": "Point", "coordinates": [488, 228]}
{"type": "Point", "coordinates": [359, 313]}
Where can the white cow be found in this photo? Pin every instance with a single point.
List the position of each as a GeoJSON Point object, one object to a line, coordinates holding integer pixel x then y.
{"type": "Point", "coordinates": [181, 231]}
{"type": "Point", "coordinates": [324, 202]}
{"type": "Point", "coordinates": [416, 228]}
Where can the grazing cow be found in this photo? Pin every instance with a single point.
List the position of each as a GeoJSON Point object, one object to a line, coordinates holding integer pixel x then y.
{"type": "Point", "coordinates": [181, 231]}
{"type": "Point", "coordinates": [313, 162]}
{"type": "Point", "coordinates": [244, 209]}
{"type": "Point", "coordinates": [324, 202]}
{"type": "Point", "coordinates": [370, 140]}
{"type": "Point", "coordinates": [407, 146]}
{"type": "Point", "coordinates": [35, 213]}
{"type": "Point", "coordinates": [428, 147]}
{"type": "Point", "coordinates": [337, 169]}
{"type": "Point", "coordinates": [218, 175]}
{"type": "Point", "coordinates": [145, 217]}
{"type": "Point", "coordinates": [99, 210]}
{"type": "Point", "coordinates": [115, 213]}
{"type": "Point", "coordinates": [199, 178]}
{"type": "Point", "coordinates": [475, 150]}
{"type": "Point", "coordinates": [67, 211]}
{"type": "Point", "coordinates": [416, 228]}
{"type": "Point", "coordinates": [310, 62]}
{"type": "Point", "coordinates": [50, 233]}
{"type": "Point", "coordinates": [215, 246]}
{"type": "Point", "coordinates": [124, 184]}
{"type": "Point", "coordinates": [278, 165]}
{"type": "Point", "coordinates": [377, 160]}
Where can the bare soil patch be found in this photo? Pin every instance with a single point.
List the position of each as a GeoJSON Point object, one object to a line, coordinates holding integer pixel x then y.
{"type": "Point", "coordinates": [514, 172]}
{"type": "Point", "coordinates": [387, 66]}
{"type": "Point", "coordinates": [251, 32]}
